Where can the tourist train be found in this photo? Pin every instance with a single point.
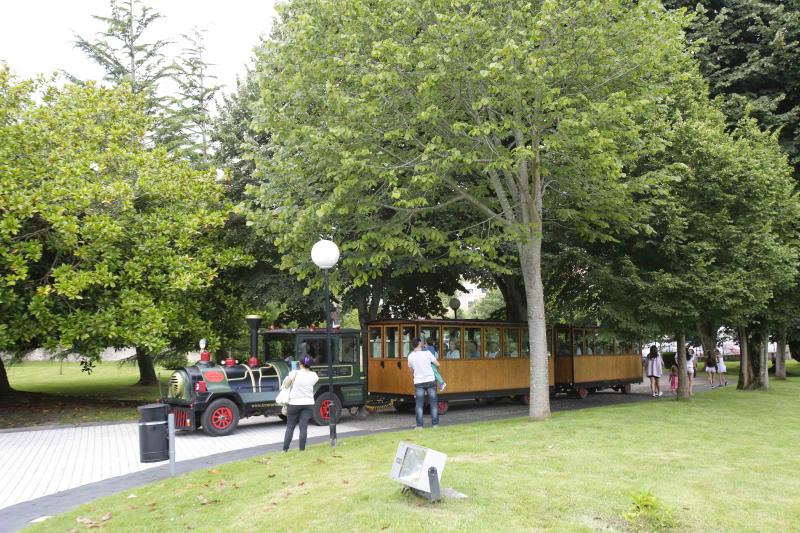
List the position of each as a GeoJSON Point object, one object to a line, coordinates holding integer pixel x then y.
{"type": "Point", "coordinates": [480, 360]}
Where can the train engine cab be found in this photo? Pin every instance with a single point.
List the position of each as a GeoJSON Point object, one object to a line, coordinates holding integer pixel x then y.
{"type": "Point", "coordinates": [215, 397]}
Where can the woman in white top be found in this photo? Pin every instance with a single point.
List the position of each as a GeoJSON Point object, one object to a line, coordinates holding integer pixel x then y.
{"type": "Point", "coordinates": [301, 401]}
{"type": "Point", "coordinates": [690, 365]}
{"type": "Point", "coordinates": [721, 369]}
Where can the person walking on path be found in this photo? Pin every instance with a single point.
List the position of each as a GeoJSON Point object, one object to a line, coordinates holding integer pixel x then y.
{"type": "Point", "coordinates": [655, 367]}
{"type": "Point", "coordinates": [421, 363]}
{"type": "Point", "coordinates": [691, 363]}
{"type": "Point", "coordinates": [301, 401]}
{"type": "Point", "coordinates": [711, 367]}
{"type": "Point", "coordinates": [722, 370]}
{"type": "Point", "coordinates": [439, 379]}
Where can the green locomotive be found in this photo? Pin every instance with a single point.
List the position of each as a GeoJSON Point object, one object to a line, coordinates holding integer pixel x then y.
{"type": "Point", "coordinates": [215, 397]}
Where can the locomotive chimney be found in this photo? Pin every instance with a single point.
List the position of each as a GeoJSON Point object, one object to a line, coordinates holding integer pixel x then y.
{"type": "Point", "coordinates": [253, 321]}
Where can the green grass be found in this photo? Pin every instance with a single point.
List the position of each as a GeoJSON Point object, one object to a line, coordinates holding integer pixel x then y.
{"type": "Point", "coordinates": [726, 461]}
{"type": "Point", "coordinates": [66, 395]}
{"type": "Point", "coordinates": [107, 380]}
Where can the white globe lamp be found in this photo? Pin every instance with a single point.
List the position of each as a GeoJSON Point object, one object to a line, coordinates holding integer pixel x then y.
{"type": "Point", "coordinates": [325, 254]}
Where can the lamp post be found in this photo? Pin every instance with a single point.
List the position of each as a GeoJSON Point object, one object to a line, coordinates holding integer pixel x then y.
{"type": "Point", "coordinates": [455, 303]}
{"type": "Point", "coordinates": [325, 255]}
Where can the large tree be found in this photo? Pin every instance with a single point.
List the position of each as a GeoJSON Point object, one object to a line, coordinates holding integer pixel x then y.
{"type": "Point", "coordinates": [106, 241]}
{"type": "Point", "coordinates": [123, 52]}
{"type": "Point", "coordinates": [522, 112]}
{"type": "Point", "coordinates": [749, 52]}
{"type": "Point", "coordinates": [187, 123]}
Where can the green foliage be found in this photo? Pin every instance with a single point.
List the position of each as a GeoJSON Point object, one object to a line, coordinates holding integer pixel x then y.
{"type": "Point", "coordinates": [186, 124]}
{"type": "Point", "coordinates": [749, 53]}
{"type": "Point", "coordinates": [491, 306]}
{"type": "Point", "coordinates": [724, 235]}
{"type": "Point", "coordinates": [104, 242]}
{"type": "Point", "coordinates": [648, 513]}
{"type": "Point", "coordinates": [425, 133]}
{"type": "Point", "coordinates": [122, 52]}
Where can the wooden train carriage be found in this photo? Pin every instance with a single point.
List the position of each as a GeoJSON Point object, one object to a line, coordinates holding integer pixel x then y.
{"type": "Point", "coordinates": [479, 359]}
{"type": "Point", "coordinates": [490, 359]}
{"type": "Point", "coordinates": [587, 360]}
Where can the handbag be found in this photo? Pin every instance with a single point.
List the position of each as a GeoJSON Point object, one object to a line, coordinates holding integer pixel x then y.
{"type": "Point", "coordinates": [283, 396]}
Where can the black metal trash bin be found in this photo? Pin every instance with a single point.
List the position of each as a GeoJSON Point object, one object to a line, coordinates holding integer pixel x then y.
{"type": "Point", "coordinates": [153, 434]}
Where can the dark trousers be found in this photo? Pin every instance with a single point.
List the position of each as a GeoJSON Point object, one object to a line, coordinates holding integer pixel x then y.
{"type": "Point", "coordinates": [295, 414]}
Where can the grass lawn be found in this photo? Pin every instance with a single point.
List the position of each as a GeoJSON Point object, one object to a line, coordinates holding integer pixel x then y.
{"type": "Point", "coordinates": [66, 395]}
{"type": "Point", "coordinates": [726, 461]}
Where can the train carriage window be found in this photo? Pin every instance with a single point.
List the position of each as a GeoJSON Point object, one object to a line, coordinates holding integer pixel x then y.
{"type": "Point", "coordinates": [549, 343]}
{"type": "Point", "coordinates": [313, 347]}
{"type": "Point", "coordinates": [526, 344]}
{"type": "Point", "coordinates": [492, 343]}
{"type": "Point", "coordinates": [278, 347]}
{"type": "Point", "coordinates": [511, 344]}
{"type": "Point", "coordinates": [428, 332]}
{"type": "Point", "coordinates": [392, 343]}
{"type": "Point", "coordinates": [563, 343]}
{"type": "Point", "coordinates": [452, 342]}
{"type": "Point", "coordinates": [348, 349]}
{"type": "Point", "coordinates": [473, 342]}
{"type": "Point", "coordinates": [375, 343]}
{"type": "Point", "coordinates": [588, 341]}
{"type": "Point", "coordinates": [580, 342]}
{"type": "Point", "coordinates": [408, 333]}
{"type": "Point", "coordinates": [603, 343]}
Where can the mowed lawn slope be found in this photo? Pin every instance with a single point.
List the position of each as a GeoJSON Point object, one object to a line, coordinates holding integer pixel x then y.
{"type": "Point", "coordinates": [63, 394]}
{"type": "Point", "coordinates": [726, 461]}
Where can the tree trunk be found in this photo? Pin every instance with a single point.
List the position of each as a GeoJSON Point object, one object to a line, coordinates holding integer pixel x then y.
{"type": "Point", "coordinates": [147, 372]}
{"type": "Point", "coordinates": [5, 386]}
{"type": "Point", "coordinates": [530, 260]}
{"type": "Point", "coordinates": [683, 389]}
{"type": "Point", "coordinates": [780, 356]}
{"type": "Point", "coordinates": [763, 362]}
{"type": "Point", "coordinates": [745, 368]}
{"type": "Point", "coordinates": [513, 290]}
{"type": "Point", "coordinates": [708, 337]}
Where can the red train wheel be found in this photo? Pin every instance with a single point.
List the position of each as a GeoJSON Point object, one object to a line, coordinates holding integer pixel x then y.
{"type": "Point", "coordinates": [626, 389]}
{"type": "Point", "coordinates": [583, 392]}
{"type": "Point", "coordinates": [524, 399]}
{"type": "Point", "coordinates": [323, 406]}
{"type": "Point", "coordinates": [221, 418]}
{"type": "Point", "coordinates": [443, 406]}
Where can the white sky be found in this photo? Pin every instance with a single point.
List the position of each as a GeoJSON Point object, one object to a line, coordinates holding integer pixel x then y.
{"type": "Point", "coordinates": [36, 36]}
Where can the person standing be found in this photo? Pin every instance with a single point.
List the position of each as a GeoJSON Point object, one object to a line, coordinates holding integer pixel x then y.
{"type": "Point", "coordinates": [655, 367]}
{"type": "Point", "coordinates": [301, 401]}
{"type": "Point", "coordinates": [722, 370]}
{"type": "Point", "coordinates": [711, 367]}
{"type": "Point", "coordinates": [420, 364]}
{"type": "Point", "coordinates": [690, 366]}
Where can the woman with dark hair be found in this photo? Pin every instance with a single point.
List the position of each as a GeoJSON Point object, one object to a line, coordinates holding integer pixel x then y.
{"type": "Point", "coordinates": [711, 367]}
{"type": "Point", "coordinates": [690, 366]}
{"type": "Point", "coordinates": [301, 401]}
{"type": "Point", "coordinates": [655, 367]}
